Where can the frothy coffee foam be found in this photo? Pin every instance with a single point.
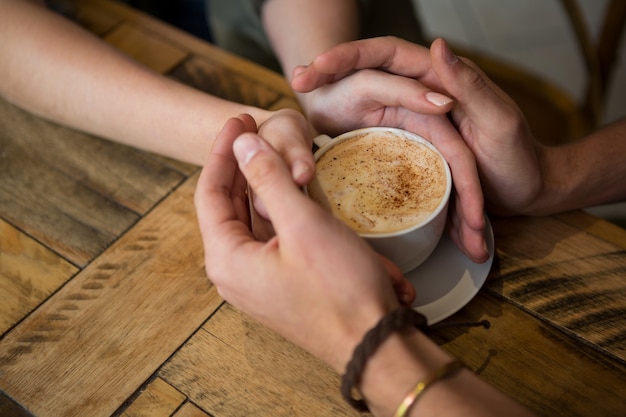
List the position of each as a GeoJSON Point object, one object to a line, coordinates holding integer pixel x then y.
{"type": "Point", "coordinates": [380, 183]}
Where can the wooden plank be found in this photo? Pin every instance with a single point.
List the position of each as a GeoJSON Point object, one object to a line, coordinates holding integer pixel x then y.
{"type": "Point", "coordinates": [564, 276]}
{"type": "Point", "coordinates": [535, 363]}
{"type": "Point", "coordinates": [598, 227]}
{"type": "Point", "coordinates": [205, 75]}
{"type": "Point", "coordinates": [146, 47]}
{"type": "Point", "coordinates": [10, 408]}
{"type": "Point", "coordinates": [159, 399]}
{"type": "Point", "coordinates": [236, 367]}
{"type": "Point", "coordinates": [92, 344]}
{"type": "Point", "coordinates": [190, 410]}
{"type": "Point", "coordinates": [73, 192]}
{"type": "Point", "coordinates": [196, 46]}
{"type": "Point", "coordinates": [184, 168]}
{"type": "Point", "coordinates": [29, 273]}
{"type": "Point", "coordinates": [94, 19]}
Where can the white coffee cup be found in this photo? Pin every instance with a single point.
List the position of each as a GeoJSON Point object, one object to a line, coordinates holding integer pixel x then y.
{"type": "Point", "coordinates": [397, 162]}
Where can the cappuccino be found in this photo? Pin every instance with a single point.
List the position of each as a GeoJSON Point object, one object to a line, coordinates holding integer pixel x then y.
{"type": "Point", "coordinates": [380, 182]}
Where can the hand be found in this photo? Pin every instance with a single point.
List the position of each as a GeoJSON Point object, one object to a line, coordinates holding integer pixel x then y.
{"type": "Point", "coordinates": [496, 131]}
{"type": "Point", "coordinates": [287, 130]}
{"type": "Point", "coordinates": [489, 122]}
{"type": "Point", "coordinates": [401, 102]}
{"type": "Point", "coordinates": [315, 270]}
{"type": "Point", "coordinates": [357, 100]}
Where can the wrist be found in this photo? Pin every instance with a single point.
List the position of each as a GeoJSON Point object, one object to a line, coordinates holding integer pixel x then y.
{"type": "Point", "coordinates": [552, 186]}
{"type": "Point", "coordinates": [402, 360]}
{"type": "Point", "coordinates": [388, 361]}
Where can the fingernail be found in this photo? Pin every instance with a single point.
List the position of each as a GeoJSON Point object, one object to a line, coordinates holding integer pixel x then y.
{"type": "Point", "coordinates": [438, 99]}
{"type": "Point", "coordinates": [406, 299]}
{"type": "Point", "coordinates": [245, 147]}
{"type": "Point", "coordinates": [298, 70]}
{"type": "Point", "coordinates": [449, 55]}
{"type": "Point", "coordinates": [299, 169]}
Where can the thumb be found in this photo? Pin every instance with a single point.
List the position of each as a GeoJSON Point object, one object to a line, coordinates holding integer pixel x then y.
{"type": "Point", "coordinates": [462, 79]}
{"type": "Point", "coordinates": [269, 177]}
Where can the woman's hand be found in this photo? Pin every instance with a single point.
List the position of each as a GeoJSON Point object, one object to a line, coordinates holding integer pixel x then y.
{"type": "Point", "coordinates": [315, 282]}
{"type": "Point", "coordinates": [489, 122]}
{"type": "Point", "coordinates": [384, 85]}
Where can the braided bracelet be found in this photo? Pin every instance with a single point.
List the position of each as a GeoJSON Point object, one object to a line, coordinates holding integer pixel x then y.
{"type": "Point", "coordinates": [396, 321]}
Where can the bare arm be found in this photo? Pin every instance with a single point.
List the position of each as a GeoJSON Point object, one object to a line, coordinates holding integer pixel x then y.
{"type": "Point", "coordinates": [584, 173]}
{"type": "Point", "coordinates": [59, 71]}
{"type": "Point", "coordinates": [299, 30]}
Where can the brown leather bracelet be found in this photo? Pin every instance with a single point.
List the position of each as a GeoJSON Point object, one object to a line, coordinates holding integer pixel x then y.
{"type": "Point", "coordinates": [396, 321]}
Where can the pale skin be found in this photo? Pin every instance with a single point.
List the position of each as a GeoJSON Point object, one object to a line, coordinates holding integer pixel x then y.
{"type": "Point", "coordinates": [518, 174]}
{"type": "Point", "coordinates": [330, 277]}
{"type": "Point", "coordinates": [299, 30]}
{"type": "Point", "coordinates": [81, 82]}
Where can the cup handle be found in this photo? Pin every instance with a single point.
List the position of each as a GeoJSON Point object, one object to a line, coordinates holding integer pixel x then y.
{"type": "Point", "coordinates": [322, 140]}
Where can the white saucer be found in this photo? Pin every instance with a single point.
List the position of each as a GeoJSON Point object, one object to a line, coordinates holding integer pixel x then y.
{"type": "Point", "coordinates": [448, 279]}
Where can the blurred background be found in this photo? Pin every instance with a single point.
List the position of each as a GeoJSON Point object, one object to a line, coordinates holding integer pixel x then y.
{"type": "Point", "coordinates": [536, 35]}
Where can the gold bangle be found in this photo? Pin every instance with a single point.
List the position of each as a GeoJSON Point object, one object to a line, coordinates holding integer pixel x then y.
{"type": "Point", "coordinates": [412, 397]}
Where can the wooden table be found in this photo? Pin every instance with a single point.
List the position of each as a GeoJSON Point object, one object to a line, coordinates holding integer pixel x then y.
{"type": "Point", "coordinates": [105, 308]}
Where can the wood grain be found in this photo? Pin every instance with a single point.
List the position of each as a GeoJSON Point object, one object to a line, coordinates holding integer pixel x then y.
{"type": "Point", "coordinates": [567, 277]}
{"type": "Point", "coordinates": [95, 19]}
{"type": "Point", "coordinates": [236, 367]}
{"type": "Point", "coordinates": [190, 410]}
{"type": "Point", "coordinates": [197, 47]}
{"type": "Point", "coordinates": [115, 323]}
{"type": "Point", "coordinates": [150, 50]}
{"type": "Point", "coordinates": [158, 399]}
{"type": "Point", "coordinates": [101, 241]}
{"type": "Point", "coordinates": [73, 192]}
{"type": "Point", "coordinates": [605, 230]}
{"type": "Point", "coordinates": [534, 362]}
{"type": "Point", "coordinates": [216, 80]}
{"type": "Point", "coordinates": [29, 273]}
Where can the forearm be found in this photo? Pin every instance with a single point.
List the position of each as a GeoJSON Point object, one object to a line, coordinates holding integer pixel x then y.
{"type": "Point", "coordinates": [57, 70]}
{"type": "Point", "coordinates": [584, 173]}
{"type": "Point", "coordinates": [299, 30]}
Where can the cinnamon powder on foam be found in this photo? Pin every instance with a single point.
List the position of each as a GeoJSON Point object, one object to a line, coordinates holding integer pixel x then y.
{"type": "Point", "coordinates": [381, 183]}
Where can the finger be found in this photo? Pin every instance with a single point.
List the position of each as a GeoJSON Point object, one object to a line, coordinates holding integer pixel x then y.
{"type": "Point", "coordinates": [478, 95]}
{"type": "Point", "coordinates": [465, 177]}
{"type": "Point", "coordinates": [305, 79]}
{"type": "Point", "coordinates": [474, 243]}
{"type": "Point", "coordinates": [261, 227]}
{"type": "Point", "coordinates": [213, 198]}
{"type": "Point", "coordinates": [297, 153]}
{"type": "Point", "coordinates": [404, 289]}
{"type": "Point", "coordinates": [399, 91]}
{"type": "Point", "coordinates": [271, 180]}
{"type": "Point", "coordinates": [462, 165]}
{"type": "Point", "coordinates": [471, 240]}
{"type": "Point", "coordinates": [388, 53]}
{"type": "Point", "coordinates": [248, 122]}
